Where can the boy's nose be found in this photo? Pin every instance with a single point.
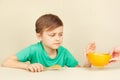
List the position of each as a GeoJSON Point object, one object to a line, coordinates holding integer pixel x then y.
{"type": "Point", "coordinates": [57, 37]}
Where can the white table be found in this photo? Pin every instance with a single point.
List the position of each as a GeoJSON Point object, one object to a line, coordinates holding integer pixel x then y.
{"type": "Point", "coordinates": [63, 74]}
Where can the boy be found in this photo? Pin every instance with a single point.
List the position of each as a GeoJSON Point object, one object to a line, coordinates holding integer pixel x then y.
{"type": "Point", "coordinates": [47, 52]}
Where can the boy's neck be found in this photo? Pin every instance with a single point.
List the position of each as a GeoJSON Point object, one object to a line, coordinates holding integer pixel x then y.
{"type": "Point", "coordinates": [52, 53]}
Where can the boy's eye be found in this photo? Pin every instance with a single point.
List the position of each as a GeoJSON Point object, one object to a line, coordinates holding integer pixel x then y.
{"type": "Point", "coordinates": [52, 35]}
{"type": "Point", "coordinates": [61, 34]}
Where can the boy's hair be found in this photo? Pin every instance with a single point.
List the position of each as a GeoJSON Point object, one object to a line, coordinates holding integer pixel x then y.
{"type": "Point", "coordinates": [47, 21]}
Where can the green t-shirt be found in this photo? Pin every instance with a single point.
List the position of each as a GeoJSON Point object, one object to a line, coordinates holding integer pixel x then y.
{"type": "Point", "coordinates": [36, 54]}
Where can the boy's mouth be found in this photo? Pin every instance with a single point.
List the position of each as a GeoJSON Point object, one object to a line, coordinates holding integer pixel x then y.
{"type": "Point", "coordinates": [56, 44]}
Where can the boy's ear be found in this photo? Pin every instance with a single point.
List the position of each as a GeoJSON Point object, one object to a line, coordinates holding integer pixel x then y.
{"type": "Point", "coordinates": [38, 36]}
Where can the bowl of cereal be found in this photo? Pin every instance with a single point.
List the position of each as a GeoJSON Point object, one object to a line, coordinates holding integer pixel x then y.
{"type": "Point", "coordinates": [99, 59]}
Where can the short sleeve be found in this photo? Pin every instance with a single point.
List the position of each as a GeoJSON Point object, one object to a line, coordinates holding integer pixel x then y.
{"type": "Point", "coordinates": [70, 60]}
{"type": "Point", "coordinates": [24, 54]}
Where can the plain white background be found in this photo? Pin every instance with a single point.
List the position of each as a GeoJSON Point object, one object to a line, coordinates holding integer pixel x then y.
{"type": "Point", "coordinates": [84, 21]}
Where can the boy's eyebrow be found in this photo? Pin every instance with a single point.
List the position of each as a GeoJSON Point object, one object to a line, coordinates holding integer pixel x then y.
{"type": "Point", "coordinates": [53, 32]}
{"type": "Point", "coordinates": [61, 32]}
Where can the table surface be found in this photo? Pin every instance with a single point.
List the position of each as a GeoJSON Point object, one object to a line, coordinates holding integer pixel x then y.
{"type": "Point", "coordinates": [62, 74]}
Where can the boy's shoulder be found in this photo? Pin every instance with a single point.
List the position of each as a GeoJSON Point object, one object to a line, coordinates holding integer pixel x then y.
{"type": "Point", "coordinates": [35, 46]}
{"type": "Point", "coordinates": [62, 48]}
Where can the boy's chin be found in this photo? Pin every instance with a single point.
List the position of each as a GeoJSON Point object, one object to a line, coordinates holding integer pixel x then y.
{"type": "Point", "coordinates": [55, 47]}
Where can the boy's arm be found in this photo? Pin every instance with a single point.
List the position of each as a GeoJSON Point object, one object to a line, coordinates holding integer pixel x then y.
{"type": "Point", "coordinates": [13, 62]}
{"type": "Point", "coordinates": [87, 65]}
{"type": "Point", "coordinates": [78, 66]}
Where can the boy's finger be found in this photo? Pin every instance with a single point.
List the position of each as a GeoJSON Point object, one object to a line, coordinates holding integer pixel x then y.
{"type": "Point", "coordinates": [38, 68]}
{"type": "Point", "coordinates": [31, 69]}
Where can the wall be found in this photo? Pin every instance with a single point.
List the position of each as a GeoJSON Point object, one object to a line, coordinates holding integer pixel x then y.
{"type": "Point", "coordinates": [84, 21]}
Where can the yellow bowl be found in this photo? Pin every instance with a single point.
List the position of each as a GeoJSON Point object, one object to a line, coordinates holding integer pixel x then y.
{"type": "Point", "coordinates": [99, 59]}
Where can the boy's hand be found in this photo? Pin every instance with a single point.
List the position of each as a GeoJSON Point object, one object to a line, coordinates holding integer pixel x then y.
{"type": "Point", "coordinates": [36, 67]}
{"type": "Point", "coordinates": [115, 52]}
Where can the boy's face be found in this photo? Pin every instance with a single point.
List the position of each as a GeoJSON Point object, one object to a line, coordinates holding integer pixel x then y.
{"type": "Point", "coordinates": [52, 39]}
